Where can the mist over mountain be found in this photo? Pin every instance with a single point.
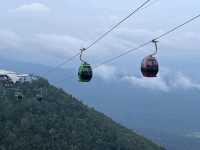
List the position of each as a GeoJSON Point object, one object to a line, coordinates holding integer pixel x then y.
{"type": "Point", "coordinates": [167, 117]}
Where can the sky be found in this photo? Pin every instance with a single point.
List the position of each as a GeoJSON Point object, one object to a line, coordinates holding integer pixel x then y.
{"type": "Point", "coordinates": [48, 32]}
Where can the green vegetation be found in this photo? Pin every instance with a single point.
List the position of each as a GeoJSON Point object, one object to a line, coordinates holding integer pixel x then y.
{"type": "Point", "coordinates": [60, 122]}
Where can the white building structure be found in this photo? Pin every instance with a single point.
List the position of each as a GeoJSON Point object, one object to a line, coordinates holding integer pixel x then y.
{"type": "Point", "coordinates": [14, 77]}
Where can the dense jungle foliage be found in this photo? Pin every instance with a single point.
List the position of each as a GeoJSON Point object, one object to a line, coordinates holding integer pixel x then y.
{"type": "Point", "coordinates": [58, 121]}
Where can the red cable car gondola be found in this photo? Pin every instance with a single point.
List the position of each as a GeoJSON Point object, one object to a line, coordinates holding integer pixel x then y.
{"type": "Point", "coordinates": [150, 66]}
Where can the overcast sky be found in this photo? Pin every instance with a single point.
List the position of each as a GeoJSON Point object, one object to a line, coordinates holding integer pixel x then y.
{"type": "Point", "coordinates": [47, 31]}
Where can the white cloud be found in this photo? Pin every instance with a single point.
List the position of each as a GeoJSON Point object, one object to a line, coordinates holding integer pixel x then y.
{"type": "Point", "coordinates": [167, 80]}
{"type": "Point", "coordinates": [181, 81]}
{"type": "Point", "coordinates": [58, 45]}
{"type": "Point", "coordinates": [40, 46]}
{"type": "Point", "coordinates": [106, 72]}
{"type": "Point", "coordinates": [148, 83]}
{"type": "Point", "coordinates": [33, 7]}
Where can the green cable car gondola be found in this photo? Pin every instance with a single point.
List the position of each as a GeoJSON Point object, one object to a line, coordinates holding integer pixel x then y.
{"type": "Point", "coordinates": [85, 72]}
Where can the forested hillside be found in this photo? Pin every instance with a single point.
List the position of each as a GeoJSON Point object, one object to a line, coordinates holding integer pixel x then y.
{"type": "Point", "coordinates": [58, 121]}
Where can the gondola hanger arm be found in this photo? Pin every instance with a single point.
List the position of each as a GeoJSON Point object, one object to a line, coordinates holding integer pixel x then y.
{"type": "Point", "coordinates": [81, 54]}
{"type": "Point", "coordinates": [156, 47]}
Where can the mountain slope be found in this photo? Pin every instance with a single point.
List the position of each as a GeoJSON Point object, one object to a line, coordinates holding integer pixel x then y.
{"type": "Point", "coordinates": [59, 122]}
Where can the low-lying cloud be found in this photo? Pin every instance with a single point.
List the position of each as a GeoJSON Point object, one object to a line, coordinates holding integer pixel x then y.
{"type": "Point", "coordinates": [153, 84]}
{"type": "Point", "coordinates": [166, 81]}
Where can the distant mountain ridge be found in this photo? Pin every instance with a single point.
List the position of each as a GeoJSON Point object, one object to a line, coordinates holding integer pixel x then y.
{"type": "Point", "coordinates": [60, 122]}
{"type": "Point", "coordinates": [155, 114]}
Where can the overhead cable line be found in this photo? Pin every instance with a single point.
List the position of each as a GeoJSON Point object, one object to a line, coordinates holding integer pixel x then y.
{"type": "Point", "coordinates": [150, 4]}
{"type": "Point", "coordinates": [118, 24]}
{"type": "Point", "coordinates": [148, 42]}
{"type": "Point", "coordinates": [100, 37]}
{"type": "Point", "coordinates": [61, 64]}
{"type": "Point", "coordinates": [144, 44]}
